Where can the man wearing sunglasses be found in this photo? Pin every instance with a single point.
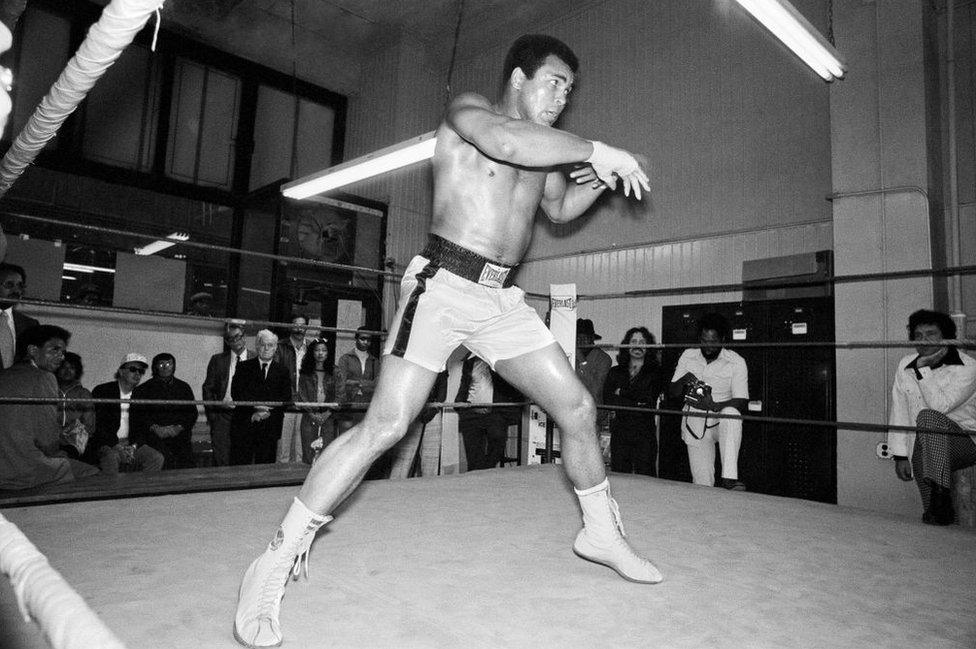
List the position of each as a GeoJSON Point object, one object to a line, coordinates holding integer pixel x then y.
{"type": "Point", "coordinates": [112, 447]}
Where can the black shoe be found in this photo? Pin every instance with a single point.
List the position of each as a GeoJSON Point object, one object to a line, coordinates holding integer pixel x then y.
{"type": "Point", "coordinates": [732, 484]}
{"type": "Point", "coordinates": [940, 511]}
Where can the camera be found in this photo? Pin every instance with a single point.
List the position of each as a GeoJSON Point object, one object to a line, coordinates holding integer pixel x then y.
{"type": "Point", "coordinates": [695, 390]}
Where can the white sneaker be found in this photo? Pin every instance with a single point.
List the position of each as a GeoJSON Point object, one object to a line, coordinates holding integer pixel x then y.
{"type": "Point", "coordinates": [259, 598]}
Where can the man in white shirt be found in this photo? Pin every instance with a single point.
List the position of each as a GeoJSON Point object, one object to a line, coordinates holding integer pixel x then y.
{"type": "Point", "coordinates": [934, 389]}
{"type": "Point", "coordinates": [216, 387]}
{"type": "Point", "coordinates": [725, 390]}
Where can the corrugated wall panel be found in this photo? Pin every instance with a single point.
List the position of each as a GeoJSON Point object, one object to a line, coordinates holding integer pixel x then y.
{"type": "Point", "coordinates": [716, 260]}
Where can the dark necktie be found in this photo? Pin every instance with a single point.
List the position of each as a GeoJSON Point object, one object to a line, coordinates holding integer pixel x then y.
{"type": "Point", "coordinates": [264, 370]}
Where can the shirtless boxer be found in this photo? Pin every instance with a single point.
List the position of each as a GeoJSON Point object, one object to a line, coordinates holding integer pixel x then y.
{"type": "Point", "coordinates": [494, 165]}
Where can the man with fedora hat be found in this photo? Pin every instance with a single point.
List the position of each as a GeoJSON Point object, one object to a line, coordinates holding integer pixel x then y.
{"type": "Point", "coordinates": [592, 363]}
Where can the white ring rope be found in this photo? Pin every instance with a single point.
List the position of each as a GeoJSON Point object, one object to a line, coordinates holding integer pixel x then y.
{"type": "Point", "coordinates": [43, 594]}
{"type": "Point", "coordinates": [121, 20]}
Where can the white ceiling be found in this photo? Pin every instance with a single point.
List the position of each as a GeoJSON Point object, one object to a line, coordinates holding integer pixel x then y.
{"type": "Point", "coordinates": [334, 37]}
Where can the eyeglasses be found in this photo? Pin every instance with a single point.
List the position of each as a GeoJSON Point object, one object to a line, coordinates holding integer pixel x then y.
{"type": "Point", "coordinates": [364, 339]}
{"type": "Point", "coordinates": [233, 339]}
{"type": "Point", "coordinates": [137, 369]}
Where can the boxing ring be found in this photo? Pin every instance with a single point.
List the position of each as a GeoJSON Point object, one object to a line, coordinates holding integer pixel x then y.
{"type": "Point", "coordinates": [481, 559]}
{"type": "Point", "coordinates": [484, 559]}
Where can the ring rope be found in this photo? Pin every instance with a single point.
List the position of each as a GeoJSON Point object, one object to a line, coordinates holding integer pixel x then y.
{"type": "Point", "coordinates": [244, 322]}
{"type": "Point", "coordinates": [855, 344]}
{"type": "Point", "coordinates": [464, 405]}
{"type": "Point", "coordinates": [44, 596]}
{"type": "Point", "coordinates": [771, 284]}
{"type": "Point", "coordinates": [210, 246]}
{"type": "Point", "coordinates": [687, 290]}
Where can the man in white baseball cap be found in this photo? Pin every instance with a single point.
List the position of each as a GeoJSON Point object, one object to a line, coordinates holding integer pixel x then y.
{"type": "Point", "coordinates": [112, 448]}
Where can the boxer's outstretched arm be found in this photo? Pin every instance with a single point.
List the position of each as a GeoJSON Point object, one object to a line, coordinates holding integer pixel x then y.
{"type": "Point", "coordinates": [513, 141]}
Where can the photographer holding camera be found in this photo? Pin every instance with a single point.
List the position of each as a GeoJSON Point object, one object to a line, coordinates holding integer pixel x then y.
{"type": "Point", "coordinates": [712, 379]}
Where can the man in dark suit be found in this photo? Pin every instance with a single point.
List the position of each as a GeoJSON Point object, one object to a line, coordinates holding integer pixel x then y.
{"type": "Point", "coordinates": [216, 387]}
{"type": "Point", "coordinates": [13, 281]}
{"type": "Point", "coordinates": [255, 430]}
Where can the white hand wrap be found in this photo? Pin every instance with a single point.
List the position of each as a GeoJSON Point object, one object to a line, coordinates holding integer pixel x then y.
{"type": "Point", "coordinates": [607, 159]}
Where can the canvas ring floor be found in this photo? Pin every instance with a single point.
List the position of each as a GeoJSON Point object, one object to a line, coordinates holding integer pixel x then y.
{"type": "Point", "coordinates": [484, 560]}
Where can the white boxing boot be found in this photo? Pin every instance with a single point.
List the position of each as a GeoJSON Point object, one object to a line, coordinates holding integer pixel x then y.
{"type": "Point", "coordinates": [603, 540]}
{"type": "Point", "coordinates": [259, 599]}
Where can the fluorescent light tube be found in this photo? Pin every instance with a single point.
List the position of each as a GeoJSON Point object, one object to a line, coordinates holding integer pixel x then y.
{"type": "Point", "coordinates": [789, 26]}
{"type": "Point", "coordinates": [85, 268]}
{"type": "Point", "coordinates": [156, 246]}
{"type": "Point", "coordinates": [372, 164]}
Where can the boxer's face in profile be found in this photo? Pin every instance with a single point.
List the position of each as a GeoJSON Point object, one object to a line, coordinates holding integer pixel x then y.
{"type": "Point", "coordinates": [543, 97]}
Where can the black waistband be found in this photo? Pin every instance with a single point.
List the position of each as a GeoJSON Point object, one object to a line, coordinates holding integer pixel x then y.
{"type": "Point", "coordinates": [467, 264]}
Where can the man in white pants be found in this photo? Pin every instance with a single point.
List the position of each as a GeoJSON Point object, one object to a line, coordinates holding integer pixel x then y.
{"type": "Point", "coordinates": [725, 390]}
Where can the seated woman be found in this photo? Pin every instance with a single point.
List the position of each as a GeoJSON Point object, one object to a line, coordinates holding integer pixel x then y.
{"type": "Point", "coordinates": [635, 381]}
{"type": "Point", "coordinates": [316, 384]}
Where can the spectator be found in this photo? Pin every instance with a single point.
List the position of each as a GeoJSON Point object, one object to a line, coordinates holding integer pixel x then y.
{"type": "Point", "coordinates": [316, 384]}
{"type": "Point", "coordinates": [13, 281]}
{"type": "Point", "coordinates": [216, 387]}
{"type": "Point", "coordinates": [77, 417]}
{"type": "Point", "coordinates": [636, 381]}
{"type": "Point", "coordinates": [592, 363]}
{"type": "Point", "coordinates": [934, 388]}
{"type": "Point", "coordinates": [168, 428]}
{"type": "Point", "coordinates": [291, 352]}
{"type": "Point", "coordinates": [89, 295]}
{"type": "Point", "coordinates": [201, 304]}
{"type": "Point", "coordinates": [713, 379]}
{"type": "Point", "coordinates": [424, 435]}
{"type": "Point", "coordinates": [355, 379]}
{"type": "Point", "coordinates": [255, 430]}
{"type": "Point", "coordinates": [113, 448]}
{"type": "Point", "coordinates": [484, 430]}
{"type": "Point", "coordinates": [30, 434]}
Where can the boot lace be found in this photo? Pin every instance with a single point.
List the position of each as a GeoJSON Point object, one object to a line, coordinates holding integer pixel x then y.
{"type": "Point", "coordinates": [274, 586]}
{"type": "Point", "coordinates": [615, 512]}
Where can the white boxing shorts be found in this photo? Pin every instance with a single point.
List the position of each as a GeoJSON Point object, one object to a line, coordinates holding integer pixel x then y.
{"type": "Point", "coordinates": [451, 296]}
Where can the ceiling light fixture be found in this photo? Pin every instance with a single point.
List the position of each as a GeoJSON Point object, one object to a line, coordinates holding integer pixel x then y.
{"type": "Point", "coordinates": [788, 25]}
{"type": "Point", "coordinates": [156, 246]}
{"type": "Point", "coordinates": [416, 149]}
{"type": "Point", "coordinates": [85, 268]}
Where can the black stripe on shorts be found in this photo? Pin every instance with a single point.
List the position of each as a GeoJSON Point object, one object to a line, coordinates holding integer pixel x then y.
{"type": "Point", "coordinates": [406, 323]}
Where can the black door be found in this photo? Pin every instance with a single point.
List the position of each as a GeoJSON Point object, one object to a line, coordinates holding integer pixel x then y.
{"type": "Point", "coordinates": [790, 382]}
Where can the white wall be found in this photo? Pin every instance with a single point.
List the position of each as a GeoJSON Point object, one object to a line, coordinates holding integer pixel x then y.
{"type": "Point", "coordinates": [102, 338]}
{"type": "Point", "coordinates": [878, 141]}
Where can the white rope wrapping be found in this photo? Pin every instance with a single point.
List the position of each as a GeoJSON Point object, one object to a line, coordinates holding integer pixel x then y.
{"type": "Point", "coordinates": [119, 23]}
{"type": "Point", "coordinates": [44, 595]}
